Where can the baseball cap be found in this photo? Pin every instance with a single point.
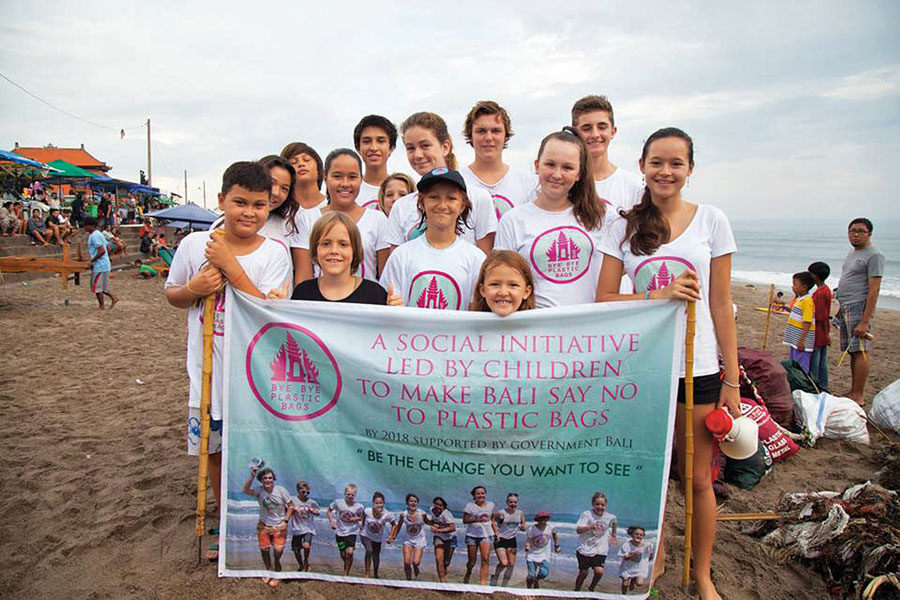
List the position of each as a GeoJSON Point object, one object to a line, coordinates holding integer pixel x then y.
{"type": "Point", "coordinates": [542, 514]}
{"type": "Point", "coordinates": [441, 174]}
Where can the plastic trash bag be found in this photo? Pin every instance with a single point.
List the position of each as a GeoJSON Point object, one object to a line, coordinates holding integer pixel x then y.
{"type": "Point", "coordinates": [885, 411]}
{"type": "Point", "coordinates": [834, 417]}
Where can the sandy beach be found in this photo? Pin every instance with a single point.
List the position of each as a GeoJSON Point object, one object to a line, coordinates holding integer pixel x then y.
{"type": "Point", "coordinates": [98, 495]}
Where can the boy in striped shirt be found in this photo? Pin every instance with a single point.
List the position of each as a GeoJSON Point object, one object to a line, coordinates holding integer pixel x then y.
{"type": "Point", "coordinates": [800, 330]}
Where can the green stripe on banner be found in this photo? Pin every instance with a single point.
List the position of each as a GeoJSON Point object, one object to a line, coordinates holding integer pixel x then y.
{"type": "Point", "coordinates": [553, 405]}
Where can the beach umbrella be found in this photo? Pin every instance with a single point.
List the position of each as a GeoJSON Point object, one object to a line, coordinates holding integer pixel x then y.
{"type": "Point", "coordinates": [20, 160]}
{"type": "Point", "coordinates": [184, 214]}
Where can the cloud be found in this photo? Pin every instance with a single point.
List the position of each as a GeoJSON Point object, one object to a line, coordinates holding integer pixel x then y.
{"type": "Point", "coordinates": [868, 85]}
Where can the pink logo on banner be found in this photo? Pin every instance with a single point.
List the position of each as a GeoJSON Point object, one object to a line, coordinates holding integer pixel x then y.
{"type": "Point", "coordinates": [657, 272]}
{"type": "Point", "coordinates": [291, 372]}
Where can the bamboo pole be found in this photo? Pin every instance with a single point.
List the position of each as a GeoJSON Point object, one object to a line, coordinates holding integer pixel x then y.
{"type": "Point", "coordinates": [757, 516]}
{"type": "Point", "coordinates": [688, 439]}
{"type": "Point", "coordinates": [205, 395]}
{"type": "Point", "coordinates": [768, 314]}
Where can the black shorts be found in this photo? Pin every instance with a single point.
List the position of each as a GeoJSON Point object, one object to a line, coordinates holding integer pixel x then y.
{"type": "Point", "coordinates": [706, 389]}
{"type": "Point", "coordinates": [299, 539]}
{"type": "Point", "coordinates": [589, 562]}
{"type": "Point", "coordinates": [345, 541]}
{"type": "Point", "coordinates": [506, 543]}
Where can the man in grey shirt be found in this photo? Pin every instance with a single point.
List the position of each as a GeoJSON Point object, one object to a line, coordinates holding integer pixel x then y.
{"type": "Point", "coordinates": [857, 294]}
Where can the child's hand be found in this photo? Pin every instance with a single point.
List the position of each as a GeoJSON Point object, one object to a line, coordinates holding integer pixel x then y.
{"type": "Point", "coordinates": [801, 346]}
{"type": "Point", "coordinates": [685, 287]}
{"type": "Point", "coordinates": [279, 293]}
{"type": "Point", "coordinates": [219, 254]}
{"type": "Point", "coordinates": [393, 299]}
{"type": "Point", "coordinates": [208, 281]}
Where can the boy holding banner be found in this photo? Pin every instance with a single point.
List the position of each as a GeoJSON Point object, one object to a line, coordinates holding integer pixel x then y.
{"type": "Point", "coordinates": [205, 262]}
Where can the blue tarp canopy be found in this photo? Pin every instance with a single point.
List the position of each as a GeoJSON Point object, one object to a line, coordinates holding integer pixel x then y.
{"type": "Point", "coordinates": [13, 157]}
{"type": "Point", "coordinates": [185, 214]}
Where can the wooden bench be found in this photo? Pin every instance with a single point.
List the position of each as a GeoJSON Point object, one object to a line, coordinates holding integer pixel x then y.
{"type": "Point", "coordinates": [64, 266]}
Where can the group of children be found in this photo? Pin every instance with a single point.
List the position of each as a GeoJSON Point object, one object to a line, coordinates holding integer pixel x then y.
{"type": "Point", "coordinates": [282, 515]}
{"type": "Point", "coordinates": [807, 332]}
{"type": "Point", "coordinates": [566, 235]}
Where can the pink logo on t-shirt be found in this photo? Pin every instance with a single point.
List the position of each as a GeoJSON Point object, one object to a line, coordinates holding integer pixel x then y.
{"type": "Point", "coordinates": [374, 526]}
{"type": "Point", "coordinates": [657, 272]}
{"type": "Point", "coordinates": [539, 541]}
{"type": "Point", "coordinates": [501, 204]}
{"type": "Point", "coordinates": [435, 289]}
{"type": "Point", "coordinates": [373, 204]}
{"type": "Point", "coordinates": [562, 254]}
{"type": "Point", "coordinates": [218, 314]}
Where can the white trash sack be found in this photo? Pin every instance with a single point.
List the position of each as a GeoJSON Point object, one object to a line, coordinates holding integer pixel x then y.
{"type": "Point", "coordinates": [830, 416]}
{"type": "Point", "coordinates": [885, 409]}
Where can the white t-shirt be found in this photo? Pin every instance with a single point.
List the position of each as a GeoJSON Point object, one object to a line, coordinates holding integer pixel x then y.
{"type": "Point", "coordinates": [368, 196]}
{"type": "Point", "coordinates": [481, 528]}
{"type": "Point", "coordinates": [303, 521]}
{"type": "Point", "coordinates": [621, 190]}
{"type": "Point", "coordinates": [372, 227]}
{"type": "Point", "coordinates": [593, 542]}
{"type": "Point", "coordinates": [405, 217]}
{"type": "Point", "coordinates": [510, 525]}
{"type": "Point", "coordinates": [414, 527]}
{"type": "Point", "coordinates": [565, 259]}
{"type": "Point", "coordinates": [540, 543]}
{"type": "Point", "coordinates": [267, 268]}
{"type": "Point", "coordinates": [427, 277]}
{"type": "Point", "coordinates": [445, 519]}
{"type": "Point", "coordinates": [707, 236]}
{"type": "Point", "coordinates": [273, 506]}
{"type": "Point", "coordinates": [515, 188]}
{"type": "Point", "coordinates": [639, 567]}
{"type": "Point", "coordinates": [276, 229]}
{"type": "Point", "coordinates": [374, 527]}
{"type": "Point", "coordinates": [341, 512]}
{"type": "Point", "coordinates": [320, 205]}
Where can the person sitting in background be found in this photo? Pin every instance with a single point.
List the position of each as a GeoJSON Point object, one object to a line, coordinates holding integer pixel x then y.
{"type": "Point", "coordinates": [148, 241]}
{"type": "Point", "coordinates": [55, 227]}
{"type": "Point", "coordinates": [144, 271]}
{"type": "Point", "coordinates": [8, 220]}
{"type": "Point", "coordinates": [37, 229]}
{"type": "Point", "coordinates": [778, 305]}
{"type": "Point", "coordinates": [113, 242]}
{"type": "Point", "coordinates": [21, 217]}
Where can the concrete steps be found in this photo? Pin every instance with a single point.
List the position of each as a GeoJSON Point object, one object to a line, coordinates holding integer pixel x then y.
{"type": "Point", "coordinates": [21, 246]}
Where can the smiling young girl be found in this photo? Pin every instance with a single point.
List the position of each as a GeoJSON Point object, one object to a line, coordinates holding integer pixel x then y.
{"type": "Point", "coordinates": [428, 147]}
{"type": "Point", "coordinates": [559, 233]}
{"type": "Point", "coordinates": [392, 189]}
{"type": "Point", "coordinates": [372, 531]}
{"type": "Point", "coordinates": [596, 529]}
{"type": "Point", "coordinates": [443, 528]}
{"type": "Point", "coordinates": [343, 176]}
{"type": "Point", "coordinates": [438, 269]}
{"type": "Point", "coordinates": [671, 248]}
{"type": "Point", "coordinates": [281, 226]}
{"type": "Point", "coordinates": [510, 521]}
{"type": "Point", "coordinates": [504, 284]}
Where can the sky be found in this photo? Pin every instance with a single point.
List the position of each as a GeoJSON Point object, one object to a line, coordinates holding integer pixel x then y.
{"type": "Point", "coordinates": [794, 107]}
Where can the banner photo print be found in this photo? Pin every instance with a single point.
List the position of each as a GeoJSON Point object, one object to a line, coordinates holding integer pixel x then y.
{"type": "Point", "coordinates": [454, 450]}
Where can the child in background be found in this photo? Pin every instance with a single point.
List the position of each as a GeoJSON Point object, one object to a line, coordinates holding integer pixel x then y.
{"type": "Point", "coordinates": [636, 555]}
{"type": "Point", "coordinates": [478, 516]}
{"type": "Point", "coordinates": [350, 515]}
{"type": "Point", "coordinates": [392, 189]}
{"type": "Point", "coordinates": [412, 523]}
{"type": "Point", "coordinates": [822, 297]}
{"type": "Point", "coordinates": [444, 529]}
{"type": "Point", "coordinates": [307, 165]}
{"type": "Point", "coordinates": [144, 271]}
{"type": "Point", "coordinates": [372, 532]}
{"type": "Point", "coordinates": [100, 265]}
{"type": "Point", "coordinates": [537, 549]}
{"type": "Point", "coordinates": [504, 284]}
{"type": "Point", "coordinates": [801, 322]}
{"type": "Point", "coordinates": [274, 508]}
{"type": "Point", "coordinates": [302, 518]}
{"type": "Point", "coordinates": [510, 521]}
{"type": "Point", "coordinates": [438, 269]}
{"type": "Point", "coordinates": [204, 263]}
{"type": "Point", "coordinates": [596, 531]}
{"type": "Point", "coordinates": [282, 224]}
{"type": "Point", "coordinates": [778, 304]}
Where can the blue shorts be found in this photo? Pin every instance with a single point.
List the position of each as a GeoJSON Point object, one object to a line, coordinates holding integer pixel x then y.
{"type": "Point", "coordinates": [538, 570]}
{"type": "Point", "coordinates": [193, 434]}
{"type": "Point", "coordinates": [476, 541]}
{"type": "Point", "coordinates": [442, 543]}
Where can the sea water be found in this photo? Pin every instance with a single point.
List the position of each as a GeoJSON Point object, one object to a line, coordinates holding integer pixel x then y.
{"type": "Point", "coordinates": [771, 251]}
